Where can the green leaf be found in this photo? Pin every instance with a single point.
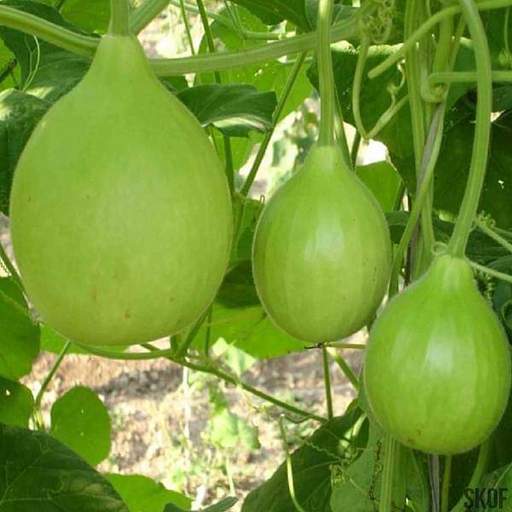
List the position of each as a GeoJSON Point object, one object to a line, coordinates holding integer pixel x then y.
{"type": "Point", "coordinates": [221, 506]}
{"type": "Point", "coordinates": [311, 465]}
{"type": "Point", "coordinates": [233, 109]}
{"type": "Point", "coordinates": [384, 182]}
{"type": "Point", "coordinates": [19, 114]}
{"type": "Point", "coordinates": [141, 494]}
{"type": "Point", "coordinates": [19, 337]}
{"type": "Point", "coordinates": [39, 473]}
{"type": "Point", "coordinates": [237, 360]}
{"type": "Point", "coordinates": [228, 431]}
{"type": "Point", "coordinates": [81, 421]}
{"type": "Point", "coordinates": [272, 12]}
{"type": "Point", "coordinates": [90, 15]}
{"type": "Point", "coordinates": [16, 403]}
{"type": "Point", "coordinates": [250, 330]}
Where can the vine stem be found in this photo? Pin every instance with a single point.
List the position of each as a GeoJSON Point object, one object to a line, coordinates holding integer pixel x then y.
{"type": "Point", "coordinates": [327, 382]}
{"type": "Point", "coordinates": [188, 31]}
{"type": "Point", "coordinates": [50, 375]}
{"type": "Point", "coordinates": [119, 18]}
{"type": "Point", "coordinates": [10, 267]}
{"type": "Point", "coordinates": [494, 235]}
{"type": "Point", "coordinates": [469, 207]}
{"type": "Point", "coordinates": [147, 12]}
{"type": "Point", "coordinates": [345, 368]}
{"type": "Point", "coordinates": [86, 46]}
{"type": "Point", "coordinates": [289, 467]}
{"type": "Point", "coordinates": [426, 28]}
{"type": "Point", "coordinates": [203, 368]}
{"type": "Point", "coordinates": [430, 156]}
{"type": "Point", "coordinates": [391, 448]}
{"type": "Point", "coordinates": [326, 73]}
{"type": "Point", "coordinates": [481, 465]}
{"type": "Point", "coordinates": [290, 82]}
{"type": "Point", "coordinates": [491, 272]}
{"type": "Point", "coordinates": [450, 77]}
{"type": "Point", "coordinates": [445, 492]}
{"type": "Point", "coordinates": [228, 153]}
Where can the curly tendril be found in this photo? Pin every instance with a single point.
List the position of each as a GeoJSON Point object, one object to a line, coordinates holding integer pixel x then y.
{"type": "Point", "coordinates": [378, 25]}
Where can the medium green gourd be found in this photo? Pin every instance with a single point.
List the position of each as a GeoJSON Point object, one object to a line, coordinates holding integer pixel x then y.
{"type": "Point", "coordinates": [322, 253]}
{"type": "Point", "coordinates": [437, 370]}
{"type": "Point", "coordinates": [121, 214]}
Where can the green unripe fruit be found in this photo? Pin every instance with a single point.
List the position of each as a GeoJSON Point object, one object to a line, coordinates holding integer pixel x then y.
{"type": "Point", "coordinates": [121, 214]}
{"type": "Point", "coordinates": [322, 253]}
{"type": "Point", "coordinates": [437, 370]}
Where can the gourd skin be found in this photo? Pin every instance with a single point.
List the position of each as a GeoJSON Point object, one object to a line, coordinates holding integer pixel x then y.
{"type": "Point", "coordinates": [322, 253]}
{"type": "Point", "coordinates": [437, 370]}
{"type": "Point", "coordinates": [121, 214]}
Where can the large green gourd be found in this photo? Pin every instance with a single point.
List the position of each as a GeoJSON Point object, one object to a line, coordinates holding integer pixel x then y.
{"type": "Point", "coordinates": [437, 371]}
{"type": "Point", "coordinates": [121, 215]}
{"type": "Point", "coordinates": [322, 252]}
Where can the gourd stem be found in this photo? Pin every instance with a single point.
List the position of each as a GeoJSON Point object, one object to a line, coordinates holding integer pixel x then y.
{"type": "Point", "coordinates": [327, 382]}
{"type": "Point", "coordinates": [445, 492]}
{"type": "Point", "coordinates": [425, 30]}
{"type": "Point", "coordinates": [203, 368]}
{"type": "Point", "coordinates": [469, 207]}
{"type": "Point", "coordinates": [326, 73]}
{"type": "Point", "coordinates": [356, 89]}
{"type": "Point", "coordinates": [188, 30]}
{"type": "Point", "coordinates": [119, 18]}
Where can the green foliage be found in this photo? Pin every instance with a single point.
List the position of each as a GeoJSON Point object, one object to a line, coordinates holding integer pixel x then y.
{"type": "Point", "coordinates": [312, 465]}
{"type": "Point", "coordinates": [37, 470]}
{"type": "Point", "coordinates": [19, 337]}
{"type": "Point", "coordinates": [141, 494]}
{"type": "Point", "coordinates": [80, 420]}
{"type": "Point", "coordinates": [16, 403]}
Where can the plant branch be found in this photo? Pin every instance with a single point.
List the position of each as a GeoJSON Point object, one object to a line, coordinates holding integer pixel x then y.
{"type": "Point", "coordinates": [491, 272]}
{"type": "Point", "coordinates": [390, 455]}
{"type": "Point", "coordinates": [51, 374]}
{"type": "Point", "coordinates": [345, 368]}
{"type": "Point", "coordinates": [10, 267]}
{"type": "Point", "coordinates": [141, 17]}
{"type": "Point", "coordinates": [426, 29]}
{"type": "Point", "coordinates": [494, 235]}
{"type": "Point", "coordinates": [203, 368]}
{"type": "Point", "coordinates": [445, 492]}
{"type": "Point", "coordinates": [292, 78]}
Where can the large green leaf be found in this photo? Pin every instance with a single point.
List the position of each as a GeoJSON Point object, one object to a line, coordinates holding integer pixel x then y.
{"type": "Point", "coordinates": [272, 12]}
{"type": "Point", "coordinates": [142, 494]}
{"type": "Point", "coordinates": [81, 421]}
{"type": "Point", "coordinates": [19, 335]}
{"type": "Point", "coordinates": [19, 114]}
{"type": "Point", "coordinates": [221, 506]}
{"type": "Point", "coordinates": [90, 15]}
{"type": "Point", "coordinates": [311, 465]}
{"type": "Point", "coordinates": [16, 403]}
{"type": "Point", "coordinates": [39, 473]}
{"type": "Point", "coordinates": [384, 182]}
{"type": "Point", "coordinates": [233, 109]}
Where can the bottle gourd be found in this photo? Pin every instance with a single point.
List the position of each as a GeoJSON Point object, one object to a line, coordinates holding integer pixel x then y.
{"type": "Point", "coordinates": [322, 253]}
{"type": "Point", "coordinates": [121, 214]}
{"type": "Point", "coordinates": [437, 370]}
